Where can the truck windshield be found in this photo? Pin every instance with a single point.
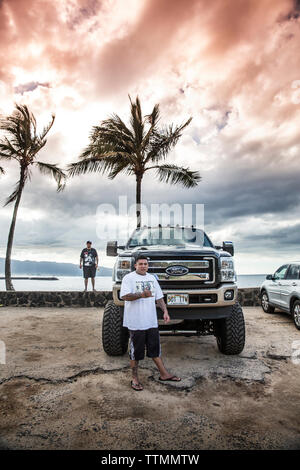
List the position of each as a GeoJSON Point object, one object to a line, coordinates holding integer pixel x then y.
{"type": "Point", "coordinates": [174, 236]}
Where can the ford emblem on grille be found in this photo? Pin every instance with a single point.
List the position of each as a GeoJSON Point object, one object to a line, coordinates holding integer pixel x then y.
{"type": "Point", "coordinates": [177, 270]}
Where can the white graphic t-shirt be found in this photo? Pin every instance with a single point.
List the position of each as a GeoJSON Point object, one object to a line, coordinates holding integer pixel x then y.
{"type": "Point", "coordinates": [140, 314]}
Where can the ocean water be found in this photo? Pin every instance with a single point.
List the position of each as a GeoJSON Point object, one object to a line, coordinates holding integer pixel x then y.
{"type": "Point", "coordinates": [76, 283]}
{"type": "Point", "coordinates": [250, 280]}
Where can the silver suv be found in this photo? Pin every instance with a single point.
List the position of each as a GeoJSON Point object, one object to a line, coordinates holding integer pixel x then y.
{"type": "Point", "coordinates": [282, 290]}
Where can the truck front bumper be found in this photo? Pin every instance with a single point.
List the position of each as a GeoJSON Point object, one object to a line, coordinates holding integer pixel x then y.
{"type": "Point", "coordinates": [208, 299]}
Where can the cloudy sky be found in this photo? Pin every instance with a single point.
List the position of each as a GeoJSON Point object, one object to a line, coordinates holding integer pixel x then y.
{"type": "Point", "coordinates": [233, 65]}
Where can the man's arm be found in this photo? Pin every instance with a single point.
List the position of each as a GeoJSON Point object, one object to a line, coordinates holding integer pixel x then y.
{"type": "Point", "coordinates": [138, 295]}
{"type": "Point", "coordinates": [97, 259]}
{"type": "Point", "coordinates": [161, 303]}
{"type": "Point", "coordinates": [80, 260]}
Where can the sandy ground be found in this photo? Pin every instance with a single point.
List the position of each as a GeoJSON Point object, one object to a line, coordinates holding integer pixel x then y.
{"type": "Point", "coordinates": [59, 390]}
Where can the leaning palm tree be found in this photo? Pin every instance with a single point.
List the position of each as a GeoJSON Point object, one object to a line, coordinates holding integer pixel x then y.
{"type": "Point", "coordinates": [22, 142]}
{"type": "Point", "coordinates": [115, 148]}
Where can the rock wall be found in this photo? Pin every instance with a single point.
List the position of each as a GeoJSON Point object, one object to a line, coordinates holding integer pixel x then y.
{"type": "Point", "coordinates": [54, 299]}
{"type": "Point", "coordinates": [246, 297]}
{"type": "Point", "coordinates": [249, 296]}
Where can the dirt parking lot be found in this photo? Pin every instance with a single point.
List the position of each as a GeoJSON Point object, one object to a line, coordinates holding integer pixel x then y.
{"type": "Point", "coordinates": [59, 390]}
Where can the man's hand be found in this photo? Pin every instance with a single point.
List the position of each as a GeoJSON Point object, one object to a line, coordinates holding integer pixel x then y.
{"type": "Point", "coordinates": [80, 266]}
{"type": "Point", "coordinates": [166, 316]}
{"type": "Point", "coordinates": [146, 293]}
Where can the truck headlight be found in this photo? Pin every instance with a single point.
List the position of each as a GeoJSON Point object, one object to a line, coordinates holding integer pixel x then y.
{"type": "Point", "coordinates": [227, 269]}
{"type": "Point", "coordinates": [123, 266]}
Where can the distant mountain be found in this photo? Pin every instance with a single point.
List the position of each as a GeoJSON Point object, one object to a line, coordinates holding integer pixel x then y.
{"type": "Point", "coordinates": [47, 268]}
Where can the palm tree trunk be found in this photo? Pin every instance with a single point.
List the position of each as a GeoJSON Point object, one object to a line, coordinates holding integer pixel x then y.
{"type": "Point", "coordinates": [138, 200]}
{"type": "Point", "coordinates": [8, 281]}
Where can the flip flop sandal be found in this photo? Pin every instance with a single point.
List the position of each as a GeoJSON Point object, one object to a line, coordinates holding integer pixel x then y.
{"type": "Point", "coordinates": [171, 379]}
{"type": "Point", "coordinates": [136, 389]}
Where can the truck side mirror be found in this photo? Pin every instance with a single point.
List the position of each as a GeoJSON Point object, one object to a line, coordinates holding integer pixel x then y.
{"type": "Point", "coordinates": [112, 248]}
{"type": "Point", "coordinates": [270, 277]}
{"type": "Point", "coordinates": [228, 246]}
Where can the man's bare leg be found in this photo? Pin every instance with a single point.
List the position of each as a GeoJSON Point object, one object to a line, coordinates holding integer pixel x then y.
{"type": "Point", "coordinates": [164, 374]}
{"type": "Point", "coordinates": [135, 379]}
{"type": "Point", "coordinates": [93, 283]}
{"type": "Point", "coordinates": [85, 284]}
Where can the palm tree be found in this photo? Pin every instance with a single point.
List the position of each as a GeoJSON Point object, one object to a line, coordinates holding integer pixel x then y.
{"type": "Point", "coordinates": [115, 148]}
{"type": "Point", "coordinates": [22, 142]}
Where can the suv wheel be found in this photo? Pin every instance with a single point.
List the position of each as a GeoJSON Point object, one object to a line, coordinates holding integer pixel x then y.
{"type": "Point", "coordinates": [265, 303]}
{"type": "Point", "coordinates": [230, 332]}
{"type": "Point", "coordinates": [114, 335]}
{"type": "Point", "coordinates": [296, 314]}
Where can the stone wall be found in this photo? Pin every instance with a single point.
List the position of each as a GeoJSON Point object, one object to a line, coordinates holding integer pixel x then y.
{"type": "Point", "coordinates": [246, 297]}
{"type": "Point", "coordinates": [249, 296]}
{"type": "Point", "coordinates": [54, 299]}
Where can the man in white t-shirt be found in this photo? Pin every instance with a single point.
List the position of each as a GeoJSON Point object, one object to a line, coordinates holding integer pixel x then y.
{"type": "Point", "coordinates": [140, 290]}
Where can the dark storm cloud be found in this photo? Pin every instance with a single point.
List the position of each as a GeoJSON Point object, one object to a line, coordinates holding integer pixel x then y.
{"type": "Point", "coordinates": [288, 236]}
{"type": "Point", "coordinates": [22, 88]}
{"type": "Point", "coordinates": [85, 9]}
{"type": "Point", "coordinates": [294, 13]}
{"type": "Point", "coordinates": [229, 195]}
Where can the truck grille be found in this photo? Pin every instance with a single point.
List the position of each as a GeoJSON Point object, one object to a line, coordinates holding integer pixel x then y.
{"type": "Point", "coordinates": [196, 271]}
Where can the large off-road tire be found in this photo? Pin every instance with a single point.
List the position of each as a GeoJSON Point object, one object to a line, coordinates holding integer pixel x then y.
{"type": "Point", "coordinates": [114, 335]}
{"type": "Point", "coordinates": [264, 301]}
{"type": "Point", "coordinates": [230, 332]}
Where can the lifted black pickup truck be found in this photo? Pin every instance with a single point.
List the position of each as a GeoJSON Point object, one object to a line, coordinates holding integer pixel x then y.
{"type": "Point", "coordinates": [198, 281]}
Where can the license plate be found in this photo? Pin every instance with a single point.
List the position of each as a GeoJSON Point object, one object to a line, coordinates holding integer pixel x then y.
{"type": "Point", "coordinates": [177, 299]}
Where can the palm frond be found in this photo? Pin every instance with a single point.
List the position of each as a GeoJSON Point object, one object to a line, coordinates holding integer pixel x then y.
{"type": "Point", "coordinates": [121, 167]}
{"type": "Point", "coordinates": [111, 136]}
{"type": "Point", "coordinates": [13, 196]}
{"type": "Point", "coordinates": [115, 124]}
{"type": "Point", "coordinates": [153, 119]}
{"type": "Point", "coordinates": [85, 165]}
{"type": "Point", "coordinates": [103, 163]}
{"type": "Point", "coordinates": [174, 174]}
{"type": "Point", "coordinates": [136, 121]}
{"type": "Point", "coordinates": [18, 187]}
{"type": "Point", "coordinates": [2, 171]}
{"type": "Point", "coordinates": [47, 128]}
{"type": "Point", "coordinates": [7, 150]}
{"type": "Point", "coordinates": [55, 172]}
{"type": "Point", "coordinates": [163, 141]}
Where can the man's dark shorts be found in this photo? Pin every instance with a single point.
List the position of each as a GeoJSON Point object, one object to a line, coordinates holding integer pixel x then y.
{"type": "Point", "coordinates": [89, 271]}
{"type": "Point", "coordinates": [139, 339]}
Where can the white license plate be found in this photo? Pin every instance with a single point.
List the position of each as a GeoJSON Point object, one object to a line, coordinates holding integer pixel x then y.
{"type": "Point", "coordinates": [177, 299]}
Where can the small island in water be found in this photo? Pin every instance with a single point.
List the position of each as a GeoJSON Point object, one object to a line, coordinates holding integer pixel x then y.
{"type": "Point", "coordinates": [35, 278]}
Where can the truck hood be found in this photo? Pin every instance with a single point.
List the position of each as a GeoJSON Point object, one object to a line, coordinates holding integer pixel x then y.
{"type": "Point", "coordinates": [156, 250]}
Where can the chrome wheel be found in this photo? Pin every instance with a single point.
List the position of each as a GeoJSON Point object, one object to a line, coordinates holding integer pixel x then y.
{"type": "Point", "coordinates": [296, 314]}
{"type": "Point", "coordinates": [265, 302]}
